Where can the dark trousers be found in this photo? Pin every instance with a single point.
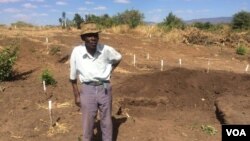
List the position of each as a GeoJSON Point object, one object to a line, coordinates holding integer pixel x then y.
{"type": "Point", "coordinates": [92, 99]}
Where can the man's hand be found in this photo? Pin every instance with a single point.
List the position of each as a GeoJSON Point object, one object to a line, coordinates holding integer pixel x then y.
{"type": "Point", "coordinates": [78, 101]}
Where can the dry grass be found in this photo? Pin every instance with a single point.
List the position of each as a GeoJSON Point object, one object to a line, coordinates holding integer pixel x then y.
{"type": "Point", "coordinates": [121, 70]}
{"type": "Point", "coordinates": [59, 128]}
{"type": "Point", "coordinates": [174, 36]}
{"type": "Point", "coordinates": [118, 29]}
{"type": "Point", "coordinates": [55, 105]}
{"type": "Point", "coordinates": [189, 36]}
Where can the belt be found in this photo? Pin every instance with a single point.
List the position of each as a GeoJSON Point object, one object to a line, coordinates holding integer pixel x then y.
{"type": "Point", "coordinates": [96, 83]}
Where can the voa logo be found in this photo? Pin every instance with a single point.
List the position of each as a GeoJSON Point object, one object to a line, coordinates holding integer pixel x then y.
{"type": "Point", "coordinates": [236, 132]}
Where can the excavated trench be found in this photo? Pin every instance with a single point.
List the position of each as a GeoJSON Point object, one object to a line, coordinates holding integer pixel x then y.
{"type": "Point", "coordinates": [183, 90]}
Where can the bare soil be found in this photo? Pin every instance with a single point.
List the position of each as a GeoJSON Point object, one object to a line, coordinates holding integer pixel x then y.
{"type": "Point", "coordinates": [209, 88]}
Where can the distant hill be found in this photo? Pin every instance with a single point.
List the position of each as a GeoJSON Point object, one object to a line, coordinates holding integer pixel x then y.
{"type": "Point", "coordinates": [202, 20]}
{"type": "Point", "coordinates": [149, 23]}
{"type": "Point", "coordinates": [211, 20]}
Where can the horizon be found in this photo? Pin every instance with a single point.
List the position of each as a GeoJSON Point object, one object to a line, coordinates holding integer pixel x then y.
{"type": "Point", "coordinates": [47, 12]}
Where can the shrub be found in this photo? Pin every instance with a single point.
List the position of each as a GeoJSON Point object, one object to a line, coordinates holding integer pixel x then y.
{"type": "Point", "coordinates": [241, 20]}
{"type": "Point", "coordinates": [133, 18]}
{"type": "Point", "coordinates": [172, 21]}
{"type": "Point", "coordinates": [203, 26]}
{"type": "Point", "coordinates": [8, 57]}
{"type": "Point", "coordinates": [241, 50]}
{"type": "Point", "coordinates": [78, 20]}
{"type": "Point", "coordinates": [209, 129]}
{"type": "Point", "coordinates": [48, 77]}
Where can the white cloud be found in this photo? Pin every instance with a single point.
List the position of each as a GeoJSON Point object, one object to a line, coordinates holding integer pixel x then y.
{"type": "Point", "coordinates": [29, 5]}
{"type": "Point", "coordinates": [122, 1]}
{"type": "Point", "coordinates": [61, 3]}
{"type": "Point", "coordinates": [100, 8]}
{"type": "Point", "coordinates": [8, 1]}
{"type": "Point", "coordinates": [11, 10]}
{"type": "Point", "coordinates": [89, 2]}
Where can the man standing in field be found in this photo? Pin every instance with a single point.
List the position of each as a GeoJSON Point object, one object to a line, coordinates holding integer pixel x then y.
{"type": "Point", "coordinates": [93, 63]}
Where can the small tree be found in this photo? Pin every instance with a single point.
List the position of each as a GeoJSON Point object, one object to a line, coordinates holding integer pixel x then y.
{"type": "Point", "coordinates": [130, 17]}
{"type": "Point", "coordinates": [78, 20]}
{"type": "Point", "coordinates": [241, 50]}
{"type": "Point", "coordinates": [241, 20]}
{"type": "Point", "coordinates": [106, 21]}
{"type": "Point", "coordinates": [63, 20]}
{"type": "Point", "coordinates": [92, 18]}
{"type": "Point", "coordinates": [172, 21]}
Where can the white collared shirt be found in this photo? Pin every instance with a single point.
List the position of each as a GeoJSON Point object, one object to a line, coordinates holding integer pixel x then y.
{"type": "Point", "coordinates": [93, 68]}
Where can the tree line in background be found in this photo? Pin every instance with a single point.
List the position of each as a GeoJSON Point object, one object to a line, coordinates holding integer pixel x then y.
{"type": "Point", "coordinates": [133, 18]}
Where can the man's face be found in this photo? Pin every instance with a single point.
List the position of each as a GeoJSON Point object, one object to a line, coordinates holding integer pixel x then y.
{"type": "Point", "coordinates": [91, 40]}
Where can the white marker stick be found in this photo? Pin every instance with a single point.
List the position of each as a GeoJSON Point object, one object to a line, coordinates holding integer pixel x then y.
{"type": "Point", "coordinates": [162, 63]}
{"type": "Point", "coordinates": [247, 67]}
{"type": "Point", "coordinates": [134, 62]}
{"type": "Point", "coordinates": [180, 62]}
{"type": "Point", "coordinates": [147, 56]}
{"type": "Point", "coordinates": [50, 112]}
{"type": "Point", "coordinates": [44, 86]}
{"type": "Point", "coordinates": [50, 105]}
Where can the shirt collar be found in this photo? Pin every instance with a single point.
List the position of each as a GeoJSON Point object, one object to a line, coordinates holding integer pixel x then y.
{"type": "Point", "coordinates": [99, 49]}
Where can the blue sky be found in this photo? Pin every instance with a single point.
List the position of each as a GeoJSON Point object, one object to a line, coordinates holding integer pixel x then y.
{"type": "Point", "coordinates": [43, 12]}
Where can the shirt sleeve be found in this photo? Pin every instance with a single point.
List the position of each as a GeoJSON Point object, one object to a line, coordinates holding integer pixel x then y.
{"type": "Point", "coordinates": [73, 71]}
{"type": "Point", "coordinates": [113, 55]}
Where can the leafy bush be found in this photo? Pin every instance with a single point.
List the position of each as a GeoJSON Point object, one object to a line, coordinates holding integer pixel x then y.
{"type": "Point", "coordinates": [209, 129]}
{"type": "Point", "coordinates": [78, 20]}
{"type": "Point", "coordinates": [133, 18]}
{"type": "Point", "coordinates": [172, 21]}
{"type": "Point", "coordinates": [203, 26]}
{"type": "Point", "coordinates": [241, 50]}
{"type": "Point", "coordinates": [8, 57]}
{"type": "Point", "coordinates": [241, 20]}
{"type": "Point", "coordinates": [48, 77]}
